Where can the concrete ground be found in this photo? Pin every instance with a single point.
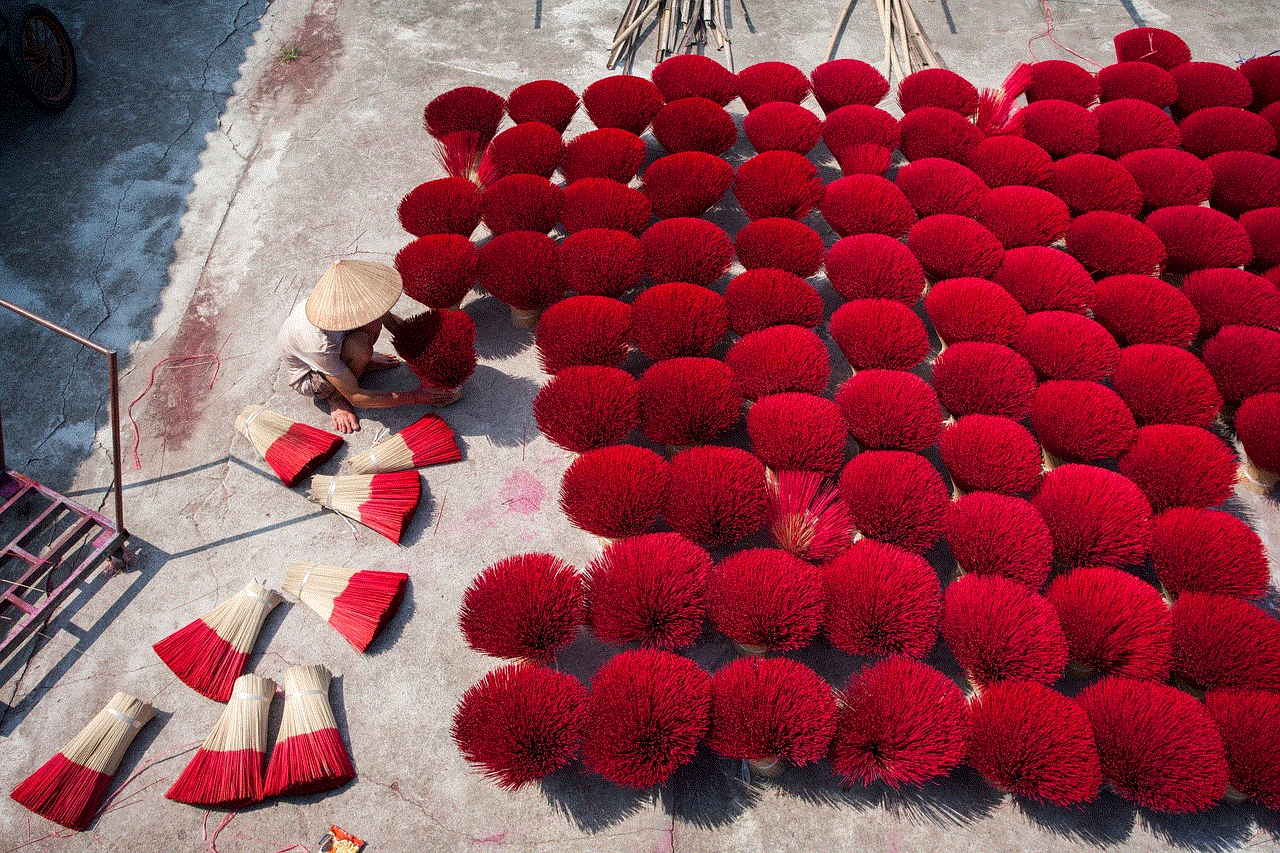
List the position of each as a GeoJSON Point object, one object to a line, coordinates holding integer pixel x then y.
{"type": "Point", "coordinates": [218, 156]}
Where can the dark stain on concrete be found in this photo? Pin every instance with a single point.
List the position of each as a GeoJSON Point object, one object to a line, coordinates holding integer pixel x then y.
{"type": "Point", "coordinates": [182, 387]}
{"type": "Point", "coordinates": [318, 45]}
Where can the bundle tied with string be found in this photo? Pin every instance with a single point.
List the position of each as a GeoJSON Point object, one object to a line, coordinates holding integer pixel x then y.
{"type": "Point", "coordinates": [426, 441]}
{"type": "Point", "coordinates": [357, 602]}
{"type": "Point", "coordinates": [227, 770]}
{"type": "Point", "coordinates": [70, 787]}
{"type": "Point", "coordinates": [382, 502]}
{"type": "Point", "coordinates": [209, 654]}
{"type": "Point", "coordinates": [309, 755]}
{"type": "Point", "coordinates": [293, 450]}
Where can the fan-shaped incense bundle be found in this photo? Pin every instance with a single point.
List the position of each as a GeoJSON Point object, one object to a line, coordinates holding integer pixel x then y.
{"type": "Point", "coordinates": [808, 518]}
{"type": "Point", "coordinates": [210, 653]}
{"type": "Point", "coordinates": [70, 787]}
{"type": "Point", "coordinates": [227, 770]}
{"type": "Point", "coordinates": [293, 450]}
{"type": "Point", "coordinates": [382, 502]}
{"type": "Point", "coordinates": [309, 755]}
{"type": "Point", "coordinates": [357, 602]}
{"type": "Point", "coordinates": [439, 347]}
{"type": "Point", "coordinates": [523, 606]}
{"type": "Point", "coordinates": [426, 441]}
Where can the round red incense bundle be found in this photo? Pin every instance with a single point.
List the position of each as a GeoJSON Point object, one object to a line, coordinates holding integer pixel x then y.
{"type": "Point", "coordinates": [442, 206]}
{"type": "Point", "coordinates": [623, 101]}
{"type": "Point", "coordinates": [1232, 297]}
{"type": "Point", "coordinates": [1255, 427]}
{"type": "Point", "coordinates": [521, 203]}
{"type": "Point", "coordinates": [937, 132]}
{"type": "Point", "coordinates": [1092, 182]}
{"type": "Point", "coordinates": [772, 82]}
{"type": "Point", "coordinates": [227, 770]}
{"type": "Point", "coordinates": [1024, 216]}
{"type": "Point", "coordinates": [1202, 550]}
{"type": "Point", "coordinates": [690, 75]}
{"type": "Point", "coordinates": [1042, 278]}
{"type": "Point", "coordinates": [866, 204]}
{"type": "Point", "coordinates": [586, 407]}
{"type": "Point", "coordinates": [780, 243]}
{"type": "Point", "coordinates": [1008, 161]}
{"type": "Point", "coordinates": [1062, 80]}
{"type": "Point", "coordinates": [1140, 80]}
{"type": "Point", "coordinates": [686, 401]}
{"type": "Point", "coordinates": [874, 266]}
{"type": "Point", "coordinates": [797, 432]}
{"type": "Point", "coordinates": [532, 148]}
{"type": "Point", "coordinates": [466, 109]}
{"type": "Point", "coordinates": [1064, 345]}
{"type": "Point", "coordinates": [604, 203]}
{"type": "Point", "coordinates": [896, 497]}
{"type": "Point", "coordinates": [1158, 746]}
{"type": "Point", "coordinates": [1263, 74]}
{"type": "Point", "coordinates": [548, 101]}
{"type": "Point", "coordinates": [1151, 44]}
{"type": "Point", "coordinates": [864, 159]}
{"type": "Point", "coordinates": [986, 453]}
{"type": "Point", "coordinates": [520, 723]}
{"type": "Point", "coordinates": [1140, 309]}
{"type": "Point", "coordinates": [615, 491]}
{"type": "Point", "coordinates": [646, 713]}
{"type": "Point", "coordinates": [766, 711]}
{"type": "Point", "coordinates": [999, 535]}
{"type": "Point", "coordinates": [973, 309]}
{"type": "Point", "coordinates": [766, 599]}
{"type": "Point", "coordinates": [782, 126]}
{"type": "Point", "coordinates": [438, 269]}
{"type": "Point", "coordinates": [1220, 641]}
{"type": "Point", "coordinates": [1079, 421]}
{"type": "Point", "coordinates": [1114, 244]}
{"type": "Point", "coordinates": [778, 184]}
{"type": "Point", "coordinates": [583, 330]}
{"type": "Point", "coordinates": [605, 153]}
{"type": "Point", "coordinates": [686, 184]}
{"type": "Point", "coordinates": [1209, 84]}
{"type": "Point", "coordinates": [1168, 178]}
{"type": "Point", "coordinates": [1272, 114]}
{"type": "Point", "coordinates": [937, 87]}
{"type": "Point", "coordinates": [807, 517]}
{"type": "Point", "coordinates": [882, 600]}
{"type": "Point", "coordinates": [439, 347]}
{"type": "Point", "coordinates": [934, 185]}
{"type": "Point", "coordinates": [686, 249]}
{"type": "Point", "coordinates": [860, 125]}
{"type": "Point", "coordinates": [780, 358]}
{"type": "Point", "coordinates": [760, 298]}
{"type": "Point", "coordinates": [1059, 127]}
{"type": "Point", "coordinates": [1096, 517]}
{"type": "Point", "coordinates": [950, 246]}
{"type": "Point", "coordinates": [1248, 721]}
{"type": "Point", "coordinates": [524, 606]}
{"type": "Point", "coordinates": [999, 630]}
{"type": "Point", "coordinates": [1034, 742]}
{"type": "Point", "coordinates": [1177, 465]}
{"type": "Point", "coordinates": [975, 377]}
{"type": "Point", "coordinates": [1199, 237]}
{"type": "Point", "coordinates": [890, 410]}
{"type": "Point", "coordinates": [1244, 180]}
{"type": "Point", "coordinates": [901, 722]}
{"type": "Point", "coordinates": [650, 590]}
{"type": "Point", "coordinates": [1114, 622]}
{"type": "Point", "coordinates": [841, 82]}
{"type": "Point", "coordinates": [879, 333]}
{"type": "Point", "coordinates": [1263, 227]}
{"type": "Point", "coordinates": [600, 262]}
{"type": "Point", "coordinates": [520, 269]}
{"type": "Point", "coordinates": [1130, 124]}
{"type": "Point", "coordinates": [694, 124]}
{"type": "Point", "coordinates": [1164, 384]}
{"type": "Point", "coordinates": [1216, 129]}
{"type": "Point", "coordinates": [678, 319]}
{"type": "Point", "coordinates": [718, 495]}
{"type": "Point", "coordinates": [1244, 361]}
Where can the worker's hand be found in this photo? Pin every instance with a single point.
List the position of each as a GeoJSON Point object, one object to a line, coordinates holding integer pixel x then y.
{"type": "Point", "coordinates": [432, 396]}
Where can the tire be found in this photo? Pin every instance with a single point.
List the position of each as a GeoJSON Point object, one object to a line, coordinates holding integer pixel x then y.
{"type": "Point", "coordinates": [44, 60]}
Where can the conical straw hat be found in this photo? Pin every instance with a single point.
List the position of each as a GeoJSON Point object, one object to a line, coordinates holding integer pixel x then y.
{"type": "Point", "coordinates": [352, 293]}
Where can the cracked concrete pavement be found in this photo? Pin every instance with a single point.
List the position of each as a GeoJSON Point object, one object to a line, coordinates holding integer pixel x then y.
{"type": "Point", "coordinates": [218, 156]}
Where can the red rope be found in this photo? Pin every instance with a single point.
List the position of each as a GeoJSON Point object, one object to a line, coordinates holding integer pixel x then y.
{"type": "Point", "coordinates": [1048, 33]}
{"type": "Point", "coordinates": [137, 437]}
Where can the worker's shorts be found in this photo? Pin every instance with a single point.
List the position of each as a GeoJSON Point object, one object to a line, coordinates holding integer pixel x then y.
{"type": "Point", "coordinates": [315, 385]}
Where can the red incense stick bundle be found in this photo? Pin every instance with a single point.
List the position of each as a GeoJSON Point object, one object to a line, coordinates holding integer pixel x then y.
{"type": "Point", "coordinates": [995, 105]}
{"type": "Point", "coordinates": [600, 262]}
{"type": "Point", "coordinates": [427, 441]}
{"type": "Point", "coordinates": [1079, 421]}
{"type": "Point", "coordinates": [442, 206]}
{"type": "Point", "coordinates": [937, 87]}
{"type": "Point", "coordinates": [227, 770]}
{"type": "Point", "coordinates": [1163, 384]}
{"type": "Point", "coordinates": [934, 185]}
{"type": "Point", "coordinates": [1096, 517]}
{"type": "Point", "coordinates": [438, 269]}
{"type": "Point", "coordinates": [797, 432]}
{"type": "Point", "coordinates": [764, 598]}
{"type": "Point", "coordinates": [604, 203]}
{"type": "Point", "coordinates": [1167, 177]}
{"type": "Point", "coordinates": [531, 148]}
{"type": "Point", "coordinates": [293, 450]}
{"type": "Point", "coordinates": [890, 410]}
{"type": "Point", "coordinates": [1178, 465]}
{"type": "Point", "coordinates": [547, 101]}
{"type": "Point", "coordinates": [778, 359]}
{"type": "Point", "coordinates": [1066, 81]}
{"type": "Point", "coordinates": [309, 755]}
{"type": "Point", "coordinates": [1232, 297]}
{"type": "Point", "coordinates": [1159, 47]}
{"type": "Point", "coordinates": [1244, 361]}
{"type": "Point", "coordinates": [778, 184]}
{"type": "Point", "coordinates": [1093, 182]}
{"type": "Point", "coordinates": [1245, 180]}
{"type": "Point", "coordinates": [975, 377]}
{"type": "Point", "coordinates": [772, 82]}
{"type": "Point", "coordinates": [882, 600]}
{"type": "Point", "coordinates": [874, 266]}
{"type": "Point", "coordinates": [622, 101]}
{"type": "Point", "coordinates": [523, 606]}
{"type": "Point", "coordinates": [1209, 84]}
{"type": "Point", "coordinates": [694, 124]}
{"type": "Point", "coordinates": [439, 347]}
{"type": "Point", "coordinates": [1255, 427]}
{"type": "Point", "coordinates": [1220, 641]}
{"type": "Point", "coordinates": [840, 82]}
{"type": "Point", "coordinates": [1066, 345]}
{"type": "Point", "coordinates": [605, 153]}
{"type": "Point", "coordinates": [691, 75]}
{"type": "Point", "coordinates": [867, 204]}
{"type": "Point", "coordinates": [210, 653]}
{"type": "Point", "coordinates": [1003, 535]}
{"type": "Point", "coordinates": [937, 132]}
{"type": "Point", "coordinates": [782, 244]}
{"type": "Point", "coordinates": [615, 491]}
{"type": "Point", "coordinates": [951, 246]}
{"type": "Point", "coordinates": [1249, 721]}
{"type": "Point", "coordinates": [381, 502]}
{"type": "Point", "coordinates": [760, 298]}
{"type": "Point", "coordinates": [1143, 80]}
{"type": "Point", "coordinates": [1024, 216]}
{"type": "Point", "coordinates": [807, 517]}
{"type": "Point", "coordinates": [677, 319]}
{"type": "Point", "coordinates": [469, 109]}
{"type": "Point", "coordinates": [519, 268]}
{"type": "Point", "coordinates": [1000, 630]}
{"type": "Point", "coordinates": [70, 787]}
{"type": "Point", "coordinates": [521, 202]}
{"type": "Point", "coordinates": [1140, 309]}
{"type": "Point", "coordinates": [688, 183]}
{"type": "Point", "coordinates": [1009, 161]}
{"type": "Point", "coordinates": [988, 453]}
{"type": "Point", "coordinates": [1042, 278]}
{"type": "Point", "coordinates": [686, 249]}
{"type": "Point", "coordinates": [686, 401]}
{"type": "Point", "coordinates": [1115, 244]}
{"type": "Point", "coordinates": [1200, 550]}
{"type": "Point", "coordinates": [1059, 127]}
{"type": "Point", "coordinates": [1216, 129]}
{"type": "Point", "coordinates": [718, 495]}
{"type": "Point", "coordinates": [973, 309]}
{"type": "Point", "coordinates": [649, 589]}
{"type": "Point", "coordinates": [1115, 623]}
{"type": "Point", "coordinates": [1200, 237]}
{"type": "Point", "coordinates": [357, 602]}
{"type": "Point", "coordinates": [588, 406]}
{"type": "Point", "coordinates": [879, 333]}
{"type": "Point", "coordinates": [1129, 124]}
{"type": "Point", "coordinates": [857, 124]}
{"type": "Point", "coordinates": [896, 497]}
{"type": "Point", "coordinates": [781, 126]}
{"type": "Point", "coordinates": [583, 330]}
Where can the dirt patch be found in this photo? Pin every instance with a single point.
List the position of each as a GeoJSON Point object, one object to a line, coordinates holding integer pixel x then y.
{"type": "Point", "coordinates": [306, 61]}
{"type": "Point", "coordinates": [181, 387]}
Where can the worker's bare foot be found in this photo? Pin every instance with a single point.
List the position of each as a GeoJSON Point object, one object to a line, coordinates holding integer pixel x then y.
{"type": "Point", "coordinates": [343, 415]}
{"type": "Point", "coordinates": [380, 362]}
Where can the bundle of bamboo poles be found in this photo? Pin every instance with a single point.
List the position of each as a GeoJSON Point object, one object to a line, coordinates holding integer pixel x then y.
{"type": "Point", "coordinates": [906, 47]}
{"type": "Point", "coordinates": [679, 26]}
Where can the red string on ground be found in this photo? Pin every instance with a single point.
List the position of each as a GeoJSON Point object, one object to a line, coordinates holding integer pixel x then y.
{"type": "Point", "coordinates": [1048, 33]}
{"type": "Point", "coordinates": [137, 436]}
{"type": "Point", "coordinates": [213, 841]}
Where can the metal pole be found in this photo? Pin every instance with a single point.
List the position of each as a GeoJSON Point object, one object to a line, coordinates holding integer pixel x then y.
{"type": "Point", "coordinates": [117, 477]}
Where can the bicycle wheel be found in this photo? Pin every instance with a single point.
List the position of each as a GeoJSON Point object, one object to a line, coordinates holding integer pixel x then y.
{"type": "Point", "coordinates": [43, 58]}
